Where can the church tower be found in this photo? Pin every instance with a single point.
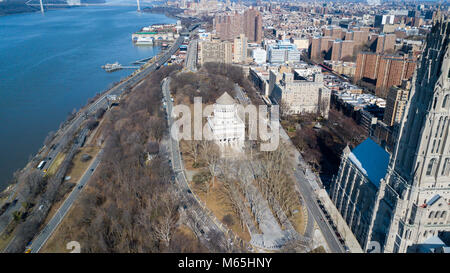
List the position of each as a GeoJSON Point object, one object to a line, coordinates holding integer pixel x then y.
{"type": "Point", "coordinates": [413, 200]}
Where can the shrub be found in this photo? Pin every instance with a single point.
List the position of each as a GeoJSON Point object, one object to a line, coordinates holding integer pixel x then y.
{"type": "Point", "coordinates": [228, 220]}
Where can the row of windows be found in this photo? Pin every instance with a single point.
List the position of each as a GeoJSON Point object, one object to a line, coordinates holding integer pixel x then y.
{"type": "Point", "coordinates": [445, 102]}
{"type": "Point", "coordinates": [431, 233]}
{"type": "Point", "coordinates": [431, 169]}
{"type": "Point", "coordinates": [437, 214]}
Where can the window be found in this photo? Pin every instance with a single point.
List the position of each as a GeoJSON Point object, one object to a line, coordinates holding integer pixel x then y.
{"type": "Point", "coordinates": [431, 166]}
{"type": "Point", "coordinates": [446, 167]}
{"type": "Point", "coordinates": [438, 126]}
{"type": "Point", "coordinates": [445, 101]}
{"type": "Point", "coordinates": [444, 126]}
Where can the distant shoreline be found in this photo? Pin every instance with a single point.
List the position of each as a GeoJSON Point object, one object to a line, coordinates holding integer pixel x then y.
{"type": "Point", "coordinates": [20, 8]}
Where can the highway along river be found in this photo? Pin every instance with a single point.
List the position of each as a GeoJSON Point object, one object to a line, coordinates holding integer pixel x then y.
{"type": "Point", "coordinates": [51, 64]}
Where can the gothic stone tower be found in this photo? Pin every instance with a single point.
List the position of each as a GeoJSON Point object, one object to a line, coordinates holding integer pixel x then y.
{"type": "Point", "coordinates": [414, 199]}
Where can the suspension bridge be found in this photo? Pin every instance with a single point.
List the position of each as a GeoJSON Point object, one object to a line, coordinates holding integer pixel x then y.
{"type": "Point", "coordinates": [41, 4]}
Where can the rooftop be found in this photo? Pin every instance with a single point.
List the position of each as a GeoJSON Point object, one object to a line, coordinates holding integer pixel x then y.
{"type": "Point", "coordinates": [225, 99]}
{"type": "Point", "coordinates": [371, 160]}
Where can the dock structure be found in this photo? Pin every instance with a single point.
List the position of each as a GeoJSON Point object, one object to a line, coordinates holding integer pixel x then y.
{"type": "Point", "coordinates": [117, 66]}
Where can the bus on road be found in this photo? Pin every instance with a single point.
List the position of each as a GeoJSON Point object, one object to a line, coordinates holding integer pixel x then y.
{"type": "Point", "coordinates": [41, 165]}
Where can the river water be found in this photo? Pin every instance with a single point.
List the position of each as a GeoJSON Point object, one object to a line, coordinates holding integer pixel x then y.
{"type": "Point", "coordinates": [51, 64]}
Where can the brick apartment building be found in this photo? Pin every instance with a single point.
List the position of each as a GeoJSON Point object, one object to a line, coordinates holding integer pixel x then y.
{"type": "Point", "coordinates": [338, 43]}
{"type": "Point", "coordinates": [342, 49]}
{"type": "Point", "coordinates": [231, 24]}
{"type": "Point", "coordinates": [383, 70]}
{"type": "Point", "coordinates": [385, 43]}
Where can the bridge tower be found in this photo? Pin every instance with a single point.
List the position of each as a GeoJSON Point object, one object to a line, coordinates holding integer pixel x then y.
{"type": "Point", "coordinates": [42, 6]}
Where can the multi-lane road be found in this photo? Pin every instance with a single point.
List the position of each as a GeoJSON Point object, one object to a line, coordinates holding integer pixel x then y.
{"type": "Point", "coordinates": [191, 56]}
{"type": "Point", "coordinates": [48, 230]}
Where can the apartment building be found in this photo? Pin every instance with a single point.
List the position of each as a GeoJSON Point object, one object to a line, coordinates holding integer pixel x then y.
{"type": "Point", "coordinates": [231, 24]}
{"type": "Point", "coordinates": [302, 95]}
{"type": "Point", "coordinates": [395, 103]}
{"type": "Point", "coordinates": [215, 51]}
{"type": "Point", "coordinates": [240, 49]}
{"type": "Point", "coordinates": [383, 70]}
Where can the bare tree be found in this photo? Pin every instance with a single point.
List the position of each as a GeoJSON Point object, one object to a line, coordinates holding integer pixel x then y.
{"type": "Point", "coordinates": [211, 155]}
{"type": "Point", "coordinates": [193, 148]}
{"type": "Point", "coordinates": [233, 189]}
{"type": "Point", "coordinates": [165, 224]}
{"type": "Point", "coordinates": [274, 181]}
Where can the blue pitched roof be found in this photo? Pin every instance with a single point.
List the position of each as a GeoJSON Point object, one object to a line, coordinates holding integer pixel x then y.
{"type": "Point", "coordinates": [433, 199]}
{"type": "Point", "coordinates": [371, 159]}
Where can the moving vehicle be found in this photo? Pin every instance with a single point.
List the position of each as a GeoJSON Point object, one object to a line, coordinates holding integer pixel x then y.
{"type": "Point", "coordinates": [41, 164]}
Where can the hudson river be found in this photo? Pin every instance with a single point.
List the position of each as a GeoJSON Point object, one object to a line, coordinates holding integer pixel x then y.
{"type": "Point", "coordinates": [51, 64]}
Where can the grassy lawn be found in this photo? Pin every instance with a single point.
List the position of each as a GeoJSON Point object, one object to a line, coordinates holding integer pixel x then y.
{"type": "Point", "coordinates": [78, 166]}
{"type": "Point", "coordinates": [66, 231]}
{"type": "Point", "coordinates": [76, 171]}
{"type": "Point", "coordinates": [319, 249]}
{"type": "Point", "coordinates": [5, 239]}
{"type": "Point", "coordinates": [56, 163]}
{"type": "Point", "coordinates": [187, 232]}
{"type": "Point", "coordinates": [217, 202]}
{"type": "Point", "coordinates": [299, 220]}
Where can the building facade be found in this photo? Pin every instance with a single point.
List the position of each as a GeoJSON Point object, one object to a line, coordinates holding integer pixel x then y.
{"type": "Point", "coordinates": [383, 70]}
{"type": "Point", "coordinates": [227, 128]}
{"type": "Point", "coordinates": [385, 43]}
{"type": "Point", "coordinates": [259, 55]}
{"type": "Point", "coordinates": [395, 104]}
{"type": "Point", "coordinates": [342, 50]}
{"type": "Point", "coordinates": [356, 185]}
{"type": "Point", "coordinates": [215, 51]}
{"type": "Point", "coordinates": [410, 203]}
{"type": "Point", "coordinates": [231, 24]}
{"type": "Point", "coordinates": [300, 96]}
{"type": "Point", "coordinates": [283, 52]}
{"type": "Point", "coordinates": [413, 201]}
{"type": "Point", "coordinates": [240, 49]}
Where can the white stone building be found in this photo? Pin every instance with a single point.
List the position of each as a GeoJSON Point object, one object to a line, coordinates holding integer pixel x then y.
{"type": "Point", "coordinates": [302, 95]}
{"type": "Point", "coordinates": [259, 55]}
{"type": "Point", "coordinates": [227, 128]}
